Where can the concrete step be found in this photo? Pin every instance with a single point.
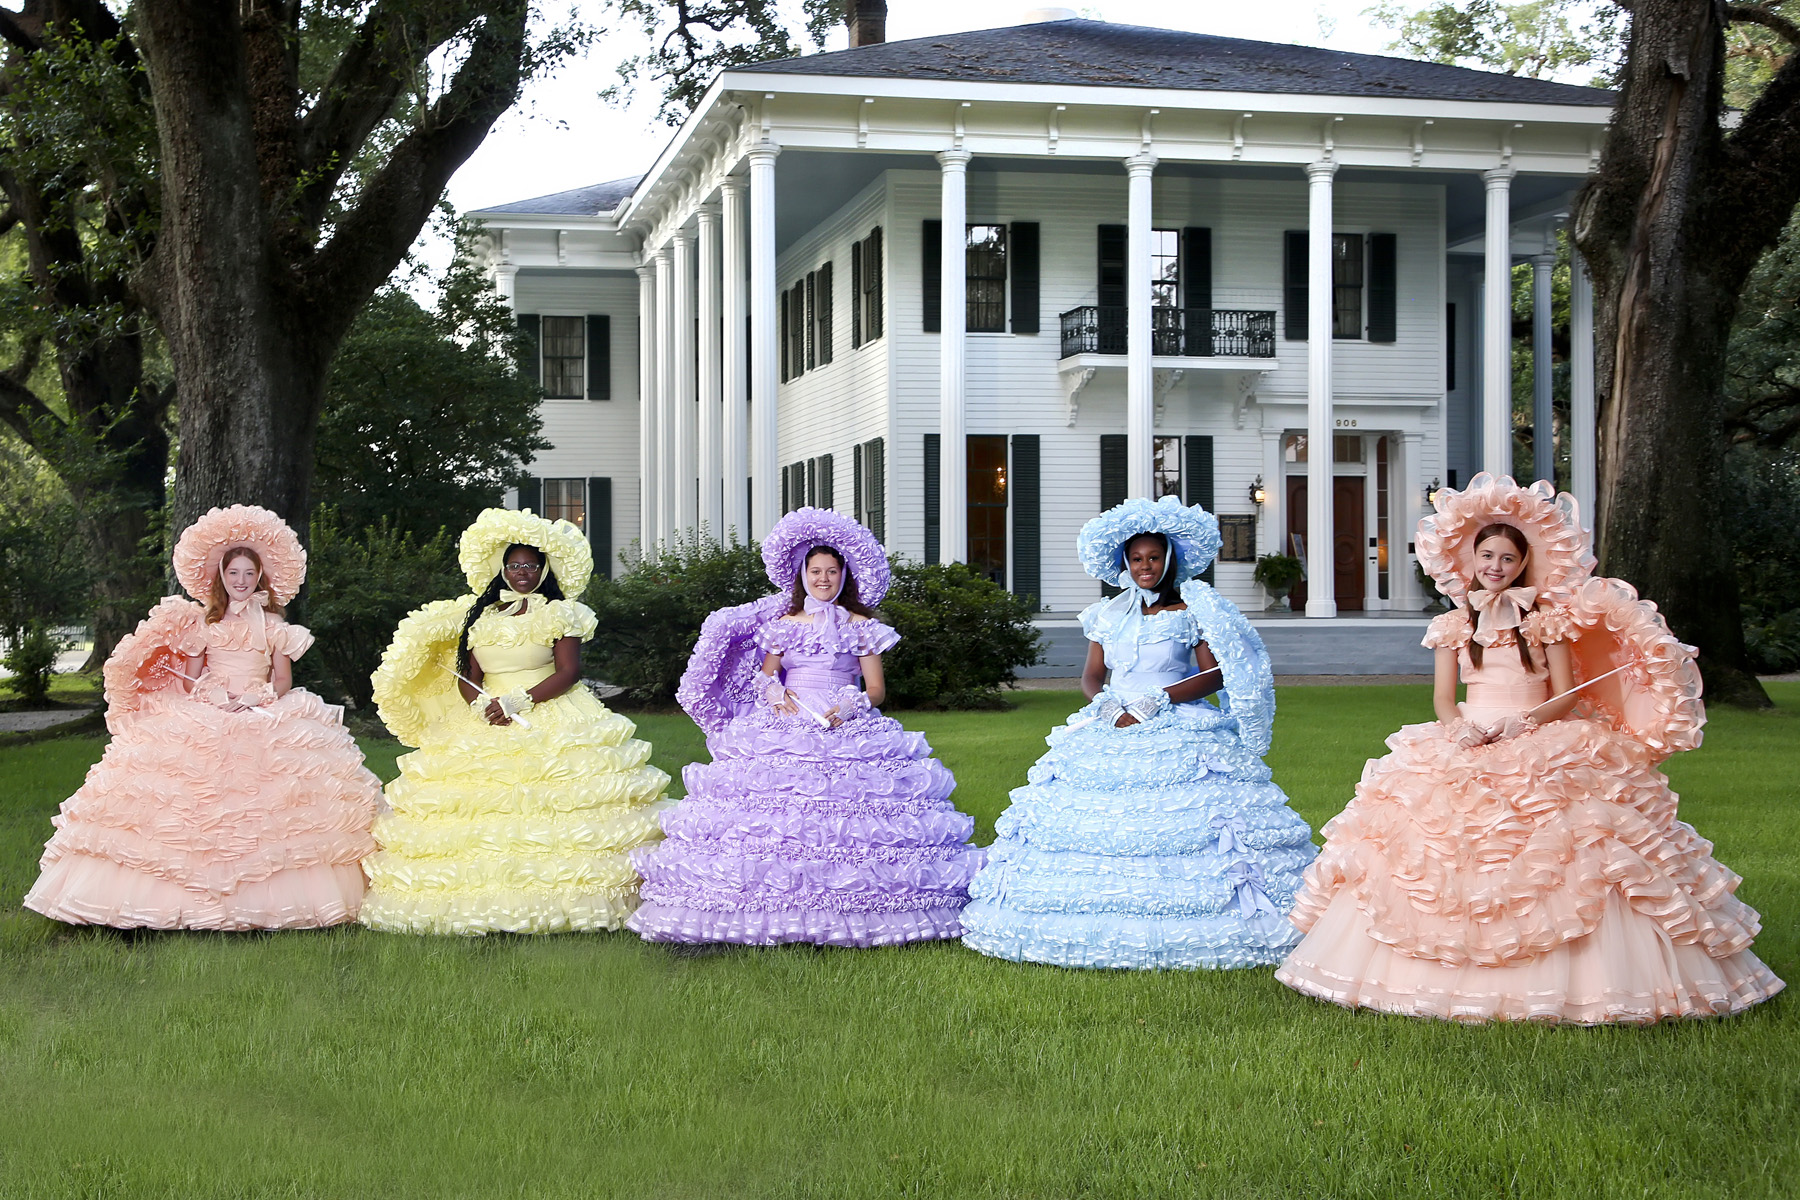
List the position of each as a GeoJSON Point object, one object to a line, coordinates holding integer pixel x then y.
{"type": "Point", "coordinates": [1381, 645]}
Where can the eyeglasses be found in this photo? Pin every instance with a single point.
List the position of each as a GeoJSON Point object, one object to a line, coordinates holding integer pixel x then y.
{"type": "Point", "coordinates": [523, 568]}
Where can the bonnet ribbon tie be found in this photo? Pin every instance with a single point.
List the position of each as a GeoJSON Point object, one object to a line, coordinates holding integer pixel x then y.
{"type": "Point", "coordinates": [254, 608]}
{"type": "Point", "coordinates": [827, 615]}
{"type": "Point", "coordinates": [1125, 612]}
{"type": "Point", "coordinates": [515, 604]}
{"type": "Point", "coordinates": [1500, 610]}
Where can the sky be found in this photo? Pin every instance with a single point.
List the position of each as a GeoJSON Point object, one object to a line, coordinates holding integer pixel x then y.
{"type": "Point", "coordinates": [562, 135]}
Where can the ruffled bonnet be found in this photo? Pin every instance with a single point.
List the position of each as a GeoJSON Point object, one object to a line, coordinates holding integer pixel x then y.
{"type": "Point", "coordinates": [1562, 553]}
{"type": "Point", "coordinates": [204, 544]}
{"type": "Point", "coordinates": [482, 551]}
{"type": "Point", "coordinates": [784, 550]}
{"type": "Point", "coordinates": [1193, 533]}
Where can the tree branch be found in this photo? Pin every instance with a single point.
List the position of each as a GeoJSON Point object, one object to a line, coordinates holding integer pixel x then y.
{"type": "Point", "coordinates": [373, 236]}
{"type": "Point", "coordinates": [8, 218]}
{"type": "Point", "coordinates": [1757, 181]}
{"type": "Point", "coordinates": [1756, 14]}
{"type": "Point", "coordinates": [23, 30]}
{"type": "Point", "coordinates": [20, 408]}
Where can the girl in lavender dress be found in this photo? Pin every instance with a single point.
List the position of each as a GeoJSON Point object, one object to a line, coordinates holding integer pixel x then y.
{"type": "Point", "coordinates": [818, 820]}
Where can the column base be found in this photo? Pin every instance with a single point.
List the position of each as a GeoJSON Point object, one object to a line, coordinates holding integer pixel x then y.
{"type": "Point", "coordinates": [1321, 608]}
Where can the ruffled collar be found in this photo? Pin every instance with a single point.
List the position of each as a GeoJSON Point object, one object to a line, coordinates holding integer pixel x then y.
{"type": "Point", "coordinates": [829, 632]}
{"type": "Point", "coordinates": [254, 609]}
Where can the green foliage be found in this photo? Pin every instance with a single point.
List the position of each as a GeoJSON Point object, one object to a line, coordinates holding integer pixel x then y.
{"type": "Point", "coordinates": [426, 419]}
{"type": "Point", "coordinates": [31, 657]}
{"type": "Point", "coordinates": [961, 637]}
{"type": "Point", "coordinates": [693, 40]}
{"type": "Point", "coordinates": [1277, 572]}
{"type": "Point", "coordinates": [1762, 381]}
{"type": "Point", "coordinates": [651, 614]}
{"type": "Point", "coordinates": [1766, 539]}
{"type": "Point", "coordinates": [1539, 38]}
{"type": "Point", "coordinates": [44, 570]}
{"type": "Point", "coordinates": [360, 583]}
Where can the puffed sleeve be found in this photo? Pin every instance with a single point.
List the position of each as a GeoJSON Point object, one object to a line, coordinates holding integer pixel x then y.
{"type": "Point", "coordinates": [573, 619]}
{"type": "Point", "coordinates": [1447, 631]}
{"type": "Point", "coordinates": [1545, 626]}
{"type": "Point", "coordinates": [872, 637]}
{"type": "Point", "coordinates": [778, 636]}
{"type": "Point", "coordinates": [291, 640]}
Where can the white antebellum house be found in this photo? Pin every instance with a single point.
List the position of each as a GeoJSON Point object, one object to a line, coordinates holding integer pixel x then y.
{"type": "Point", "coordinates": [973, 289]}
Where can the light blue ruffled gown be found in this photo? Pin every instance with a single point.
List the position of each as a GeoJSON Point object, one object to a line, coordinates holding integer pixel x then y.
{"type": "Point", "coordinates": [1164, 844]}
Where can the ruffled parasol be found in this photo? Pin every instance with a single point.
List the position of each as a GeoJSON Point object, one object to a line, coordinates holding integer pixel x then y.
{"type": "Point", "coordinates": [482, 551]}
{"type": "Point", "coordinates": [203, 546]}
{"type": "Point", "coordinates": [1657, 696]}
{"type": "Point", "coordinates": [1192, 532]}
{"type": "Point", "coordinates": [784, 550]}
{"type": "Point", "coordinates": [1562, 554]}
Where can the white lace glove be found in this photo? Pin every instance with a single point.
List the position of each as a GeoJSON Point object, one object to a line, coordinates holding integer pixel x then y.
{"type": "Point", "coordinates": [850, 702]}
{"type": "Point", "coordinates": [1514, 726]}
{"type": "Point", "coordinates": [1149, 706]}
{"type": "Point", "coordinates": [516, 702]}
{"type": "Point", "coordinates": [1111, 709]}
{"type": "Point", "coordinates": [257, 695]}
{"type": "Point", "coordinates": [1468, 734]}
{"type": "Point", "coordinates": [774, 693]}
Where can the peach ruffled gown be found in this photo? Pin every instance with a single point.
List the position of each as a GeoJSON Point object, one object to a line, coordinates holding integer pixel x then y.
{"type": "Point", "coordinates": [1544, 877]}
{"type": "Point", "coordinates": [199, 818]}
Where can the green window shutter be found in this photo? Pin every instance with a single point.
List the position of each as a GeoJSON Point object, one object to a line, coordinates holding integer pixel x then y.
{"type": "Point", "coordinates": [827, 486]}
{"type": "Point", "coordinates": [531, 363]}
{"type": "Point", "coordinates": [856, 478]}
{"type": "Point", "coordinates": [856, 292]}
{"type": "Point", "coordinates": [877, 320]}
{"type": "Point", "coordinates": [1113, 457]}
{"type": "Point", "coordinates": [933, 457]}
{"type": "Point", "coordinates": [599, 523]}
{"type": "Point", "coordinates": [1025, 277]}
{"type": "Point", "coordinates": [1384, 291]}
{"type": "Point", "coordinates": [1196, 286]}
{"type": "Point", "coordinates": [1110, 280]}
{"type": "Point", "coordinates": [531, 494]}
{"type": "Point", "coordinates": [1199, 472]}
{"type": "Point", "coordinates": [875, 462]}
{"type": "Point", "coordinates": [931, 276]}
{"type": "Point", "coordinates": [1026, 486]}
{"type": "Point", "coordinates": [825, 308]}
{"type": "Point", "coordinates": [599, 356]}
{"type": "Point", "coordinates": [1294, 290]}
{"type": "Point", "coordinates": [781, 305]}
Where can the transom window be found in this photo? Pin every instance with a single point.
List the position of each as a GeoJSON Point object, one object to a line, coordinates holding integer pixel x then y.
{"type": "Point", "coordinates": [564, 356]}
{"type": "Point", "coordinates": [985, 278]}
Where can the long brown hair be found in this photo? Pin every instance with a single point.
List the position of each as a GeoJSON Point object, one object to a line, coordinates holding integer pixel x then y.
{"type": "Point", "coordinates": [216, 602]}
{"type": "Point", "coordinates": [847, 598]}
{"type": "Point", "coordinates": [1512, 534]}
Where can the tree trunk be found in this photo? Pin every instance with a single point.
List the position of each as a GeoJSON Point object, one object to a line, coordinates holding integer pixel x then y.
{"type": "Point", "coordinates": [1667, 263]}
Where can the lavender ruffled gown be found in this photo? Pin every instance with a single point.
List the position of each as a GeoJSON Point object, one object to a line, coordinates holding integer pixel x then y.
{"type": "Point", "coordinates": [795, 832]}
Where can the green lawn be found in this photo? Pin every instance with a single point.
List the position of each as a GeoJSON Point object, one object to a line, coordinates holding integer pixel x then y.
{"type": "Point", "coordinates": [347, 1063]}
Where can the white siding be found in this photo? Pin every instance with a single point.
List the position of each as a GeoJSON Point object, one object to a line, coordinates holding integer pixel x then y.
{"type": "Point", "coordinates": [593, 437]}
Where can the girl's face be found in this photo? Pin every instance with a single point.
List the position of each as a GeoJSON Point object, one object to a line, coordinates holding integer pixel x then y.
{"type": "Point", "coordinates": [1146, 559]}
{"type": "Point", "coordinates": [1497, 563]}
{"type": "Point", "coordinates": [824, 576]}
{"type": "Point", "coordinates": [240, 576]}
{"type": "Point", "coordinates": [523, 569]}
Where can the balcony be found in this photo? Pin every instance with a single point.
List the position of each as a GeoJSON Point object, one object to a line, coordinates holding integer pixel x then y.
{"type": "Point", "coordinates": [1174, 332]}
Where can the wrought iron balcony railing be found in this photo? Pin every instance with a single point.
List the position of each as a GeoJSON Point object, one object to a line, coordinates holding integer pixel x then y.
{"type": "Point", "coordinates": [1174, 332]}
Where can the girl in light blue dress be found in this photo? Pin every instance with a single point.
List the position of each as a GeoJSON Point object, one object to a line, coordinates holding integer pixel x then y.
{"type": "Point", "coordinates": [1151, 834]}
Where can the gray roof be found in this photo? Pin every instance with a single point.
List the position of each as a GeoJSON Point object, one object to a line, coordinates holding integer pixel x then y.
{"type": "Point", "coordinates": [588, 201]}
{"type": "Point", "coordinates": [1100, 54]}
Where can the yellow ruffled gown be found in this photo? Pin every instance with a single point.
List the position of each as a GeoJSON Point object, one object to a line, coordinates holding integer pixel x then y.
{"type": "Point", "coordinates": [516, 829]}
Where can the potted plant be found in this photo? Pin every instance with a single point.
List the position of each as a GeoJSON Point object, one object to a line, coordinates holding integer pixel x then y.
{"type": "Point", "coordinates": [1277, 573]}
{"type": "Point", "coordinates": [1434, 599]}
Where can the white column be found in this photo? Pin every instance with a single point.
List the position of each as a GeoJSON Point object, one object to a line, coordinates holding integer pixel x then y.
{"type": "Point", "coordinates": [1543, 416]}
{"type": "Point", "coordinates": [648, 446]}
{"type": "Point", "coordinates": [665, 394]}
{"type": "Point", "coordinates": [736, 450]}
{"type": "Point", "coordinates": [1402, 549]}
{"type": "Point", "coordinates": [687, 411]}
{"type": "Point", "coordinates": [1583, 477]}
{"type": "Point", "coordinates": [505, 283]}
{"type": "Point", "coordinates": [712, 466]}
{"type": "Point", "coordinates": [953, 462]}
{"type": "Point", "coordinates": [1140, 384]}
{"type": "Point", "coordinates": [1496, 326]}
{"type": "Point", "coordinates": [1321, 587]}
{"type": "Point", "coordinates": [764, 328]}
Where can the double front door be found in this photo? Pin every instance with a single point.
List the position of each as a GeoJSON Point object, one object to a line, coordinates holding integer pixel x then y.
{"type": "Point", "coordinates": [1347, 498]}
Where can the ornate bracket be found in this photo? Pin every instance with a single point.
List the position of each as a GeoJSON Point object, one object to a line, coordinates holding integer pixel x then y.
{"type": "Point", "coordinates": [1073, 381]}
{"type": "Point", "coordinates": [1162, 381]}
{"type": "Point", "coordinates": [1246, 389]}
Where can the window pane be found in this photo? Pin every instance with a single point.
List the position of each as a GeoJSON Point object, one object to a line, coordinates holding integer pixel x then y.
{"type": "Point", "coordinates": [1167, 472]}
{"type": "Point", "coordinates": [564, 353]}
{"type": "Point", "coordinates": [1294, 448]}
{"type": "Point", "coordinates": [987, 505]}
{"type": "Point", "coordinates": [566, 500]}
{"type": "Point", "coordinates": [1346, 285]}
{"type": "Point", "coordinates": [986, 278]}
{"type": "Point", "coordinates": [1165, 268]}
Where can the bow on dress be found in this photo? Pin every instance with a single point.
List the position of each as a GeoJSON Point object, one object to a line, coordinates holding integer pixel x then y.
{"type": "Point", "coordinates": [1504, 610]}
{"type": "Point", "coordinates": [254, 608]}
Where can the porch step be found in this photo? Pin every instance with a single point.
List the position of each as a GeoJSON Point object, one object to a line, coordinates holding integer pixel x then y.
{"type": "Point", "coordinates": [1371, 645]}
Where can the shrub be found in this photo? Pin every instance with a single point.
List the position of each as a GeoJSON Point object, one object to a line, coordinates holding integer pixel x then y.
{"type": "Point", "coordinates": [651, 614]}
{"type": "Point", "coordinates": [359, 585]}
{"type": "Point", "coordinates": [1773, 645]}
{"type": "Point", "coordinates": [961, 637]}
{"type": "Point", "coordinates": [31, 657]}
{"type": "Point", "coordinates": [1277, 572]}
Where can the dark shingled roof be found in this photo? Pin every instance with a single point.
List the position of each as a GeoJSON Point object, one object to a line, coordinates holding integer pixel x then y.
{"type": "Point", "coordinates": [1099, 54]}
{"type": "Point", "coordinates": [588, 201]}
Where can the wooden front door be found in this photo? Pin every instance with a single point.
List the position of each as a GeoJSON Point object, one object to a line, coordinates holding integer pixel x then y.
{"type": "Point", "coordinates": [1346, 544]}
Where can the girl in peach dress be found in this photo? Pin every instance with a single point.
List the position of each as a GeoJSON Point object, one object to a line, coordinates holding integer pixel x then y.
{"type": "Point", "coordinates": [1520, 858]}
{"type": "Point", "coordinates": [228, 798]}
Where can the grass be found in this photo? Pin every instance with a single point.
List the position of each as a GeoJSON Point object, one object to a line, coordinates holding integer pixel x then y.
{"type": "Point", "coordinates": [348, 1063]}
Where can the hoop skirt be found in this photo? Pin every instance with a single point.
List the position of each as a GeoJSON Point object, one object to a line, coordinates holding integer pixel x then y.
{"type": "Point", "coordinates": [517, 829]}
{"type": "Point", "coordinates": [1543, 877]}
{"type": "Point", "coordinates": [200, 818]}
{"type": "Point", "coordinates": [799, 833]}
{"type": "Point", "coordinates": [1162, 844]}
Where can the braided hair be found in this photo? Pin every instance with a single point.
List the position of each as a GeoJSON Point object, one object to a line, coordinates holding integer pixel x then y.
{"type": "Point", "coordinates": [497, 587]}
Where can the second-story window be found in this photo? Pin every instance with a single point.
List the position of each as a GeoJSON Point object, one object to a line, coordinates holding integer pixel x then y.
{"type": "Point", "coordinates": [1165, 268]}
{"type": "Point", "coordinates": [564, 357]}
{"type": "Point", "coordinates": [986, 279]}
{"type": "Point", "coordinates": [1346, 285]}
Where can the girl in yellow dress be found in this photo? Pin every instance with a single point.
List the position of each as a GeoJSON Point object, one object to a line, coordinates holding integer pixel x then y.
{"type": "Point", "coordinates": [525, 792]}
